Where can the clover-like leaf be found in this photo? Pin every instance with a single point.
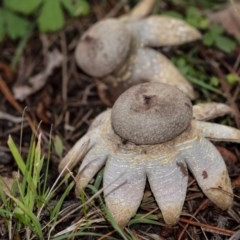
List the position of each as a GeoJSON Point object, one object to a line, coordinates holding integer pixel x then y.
{"type": "Point", "coordinates": [23, 6]}
{"type": "Point", "coordinates": [77, 7]}
{"type": "Point", "coordinates": [16, 25]}
{"type": "Point", "coordinates": [214, 81]}
{"type": "Point", "coordinates": [232, 78]}
{"type": "Point", "coordinates": [12, 25]}
{"type": "Point", "coordinates": [195, 18]}
{"type": "Point", "coordinates": [225, 44]}
{"type": "Point", "coordinates": [208, 39]}
{"type": "Point", "coordinates": [2, 25]}
{"type": "Point", "coordinates": [51, 16]}
{"type": "Point", "coordinates": [211, 35]}
{"type": "Point", "coordinates": [216, 30]}
{"type": "Point", "coordinates": [173, 14]}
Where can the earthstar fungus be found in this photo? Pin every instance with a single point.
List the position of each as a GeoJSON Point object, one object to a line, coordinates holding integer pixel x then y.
{"type": "Point", "coordinates": [134, 145]}
{"type": "Point", "coordinates": [119, 51]}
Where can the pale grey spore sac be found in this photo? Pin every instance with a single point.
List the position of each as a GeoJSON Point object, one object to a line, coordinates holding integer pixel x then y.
{"type": "Point", "coordinates": [119, 52]}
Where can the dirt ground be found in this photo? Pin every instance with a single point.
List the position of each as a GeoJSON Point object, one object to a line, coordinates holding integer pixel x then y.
{"type": "Point", "coordinates": [68, 102]}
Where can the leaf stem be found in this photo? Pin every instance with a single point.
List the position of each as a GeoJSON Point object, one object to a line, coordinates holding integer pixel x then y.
{"type": "Point", "coordinates": [21, 46]}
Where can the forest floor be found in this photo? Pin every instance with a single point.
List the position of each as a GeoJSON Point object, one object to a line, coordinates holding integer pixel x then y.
{"type": "Point", "coordinates": [67, 102]}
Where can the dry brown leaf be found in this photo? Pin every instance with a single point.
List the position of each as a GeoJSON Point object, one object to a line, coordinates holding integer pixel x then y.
{"type": "Point", "coordinates": [35, 83]}
{"type": "Point", "coordinates": [228, 18]}
{"type": "Point", "coordinates": [103, 93]}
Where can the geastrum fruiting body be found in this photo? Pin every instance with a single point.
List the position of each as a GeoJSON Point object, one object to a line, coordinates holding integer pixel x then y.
{"type": "Point", "coordinates": [118, 51]}
{"type": "Point", "coordinates": [150, 134]}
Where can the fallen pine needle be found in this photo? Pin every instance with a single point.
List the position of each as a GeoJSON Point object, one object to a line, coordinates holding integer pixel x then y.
{"type": "Point", "coordinates": [202, 206]}
{"type": "Point", "coordinates": [209, 228]}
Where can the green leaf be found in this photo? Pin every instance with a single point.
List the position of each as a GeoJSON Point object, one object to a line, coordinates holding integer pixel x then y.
{"type": "Point", "coordinates": [195, 18]}
{"type": "Point", "coordinates": [36, 226]}
{"type": "Point", "coordinates": [208, 39]}
{"type": "Point", "coordinates": [232, 79]}
{"type": "Point", "coordinates": [12, 25]}
{"type": "Point", "coordinates": [173, 14]}
{"type": "Point", "coordinates": [76, 7]}
{"type": "Point", "coordinates": [193, 12]}
{"type": "Point", "coordinates": [2, 25]}
{"type": "Point", "coordinates": [141, 218]}
{"type": "Point", "coordinates": [16, 154]}
{"type": "Point", "coordinates": [51, 16]}
{"type": "Point", "coordinates": [225, 44]}
{"type": "Point", "coordinates": [22, 6]}
{"type": "Point", "coordinates": [16, 26]}
{"type": "Point", "coordinates": [216, 30]}
{"type": "Point", "coordinates": [214, 81]}
{"type": "Point", "coordinates": [58, 145]}
{"type": "Point", "coordinates": [204, 23]}
{"type": "Point", "coordinates": [60, 201]}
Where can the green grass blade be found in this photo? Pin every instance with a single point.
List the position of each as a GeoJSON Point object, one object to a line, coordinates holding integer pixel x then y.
{"type": "Point", "coordinates": [36, 226]}
{"type": "Point", "coordinates": [204, 85]}
{"type": "Point", "coordinates": [81, 234]}
{"type": "Point", "coordinates": [109, 216]}
{"type": "Point", "coordinates": [16, 154]}
{"type": "Point", "coordinates": [58, 206]}
{"type": "Point", "coordinates": [99, 179]}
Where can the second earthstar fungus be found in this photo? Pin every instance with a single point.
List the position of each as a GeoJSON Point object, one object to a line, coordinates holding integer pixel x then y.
{"type": "Point", "coordinates": [152, 133]}
{"type": "Point", "coordinates": [119, 51]}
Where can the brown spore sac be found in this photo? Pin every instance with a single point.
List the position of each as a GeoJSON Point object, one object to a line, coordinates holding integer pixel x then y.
{"type": "Point", "coordinates": [205, 174]}
{"type": "Point", "coordinates": [182, 168]}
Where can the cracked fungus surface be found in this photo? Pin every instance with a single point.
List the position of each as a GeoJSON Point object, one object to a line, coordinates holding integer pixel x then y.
{"type": "Point", "coordinates": [165, 166]}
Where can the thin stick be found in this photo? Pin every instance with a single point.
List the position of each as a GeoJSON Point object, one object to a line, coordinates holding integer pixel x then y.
{"type": "Point", "coordinates": [8, 95]}
{"type": "Point", "coordinates": [209, 228]}
{"type": "Point", "coordinates": [202, 206]}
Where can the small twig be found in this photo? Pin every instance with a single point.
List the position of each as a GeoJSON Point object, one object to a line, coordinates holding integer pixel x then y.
{"type": "Point", "coordinates": [15, 129]}
{"type": "Point", "coordinates": [209, 228]}
{"type": "Point", "coordinates": [9, 117]}
{"type": "Point", "coordinates": [7, 71]}
{"type": "Point", "coordinates": [116, 9]}
{"type": "Point", "coordinates": [202, 206]}
{"type": "Point", "coordinates": [21, 47]}
{"type": "Point", "coordinates": [64, 67]}
{"type": "Point", "coordinates": [237, 63]}
{"type": "Point", "coordinates": [107, 235]}
{"type": "Point", "coordinates": [64, 77]}
{"type": "Point", "coordinates": [45, 46]}
{"type": "Point", "coordinates": [80, 123]}
{"type": "Point", "coordinates": [8, 95]}
{"type": "Point", "coordinates": [235, 236]}
{"type": "Point", "coordinates": [227, 88]}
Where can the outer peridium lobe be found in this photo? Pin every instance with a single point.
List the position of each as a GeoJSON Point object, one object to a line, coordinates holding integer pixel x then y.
{"type": "Point", "coordinates": [209, 169]}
